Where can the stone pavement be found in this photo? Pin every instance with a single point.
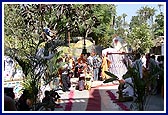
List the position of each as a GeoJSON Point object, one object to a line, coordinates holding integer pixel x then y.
{"type": "Point", "coordinates": [101, 97]}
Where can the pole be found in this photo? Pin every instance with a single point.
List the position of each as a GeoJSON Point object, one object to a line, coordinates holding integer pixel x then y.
{"type": "Point", "coordinates": [84, 47]}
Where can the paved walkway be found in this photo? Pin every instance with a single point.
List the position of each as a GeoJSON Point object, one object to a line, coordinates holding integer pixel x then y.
{"type": "Point", "coordinates": [102, 98]}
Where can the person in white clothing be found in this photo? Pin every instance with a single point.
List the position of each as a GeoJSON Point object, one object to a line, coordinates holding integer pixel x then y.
{"type": "Point", "coordinates": [143, 58]}
{"type": "Point", "coordinates": [138, 64]}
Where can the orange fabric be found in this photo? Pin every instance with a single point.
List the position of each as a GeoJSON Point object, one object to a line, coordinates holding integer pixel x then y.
{"type": "Point", "coordinates": [105, 65]}
{"type": "Point", "coordinates": [81, 60]}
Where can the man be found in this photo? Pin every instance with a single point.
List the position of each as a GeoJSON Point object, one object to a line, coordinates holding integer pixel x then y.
{"type": "Point", "coordinates": [155, 71]}
{"type": "Point", "coordinates": [96, 66]}
{"type": "Point", "coordinates": [143, 58]}
{"type": "Point", "coordinates": [138, 64]}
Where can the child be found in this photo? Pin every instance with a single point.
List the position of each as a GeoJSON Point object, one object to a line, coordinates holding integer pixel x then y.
{"type": "Point", "coordinates": [88, 80]}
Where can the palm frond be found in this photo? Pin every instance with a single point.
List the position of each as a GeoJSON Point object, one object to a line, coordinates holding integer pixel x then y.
{"type": "Point", "coordinates": [110, 80]}
{"type": "Point", "coordinates": [126, 75]}
{"type": "Point", "coordinates": [111, 75]}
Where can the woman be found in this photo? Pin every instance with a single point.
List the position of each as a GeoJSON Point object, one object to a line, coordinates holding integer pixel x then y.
{"type": "Point", "coordinates": [65, 79]}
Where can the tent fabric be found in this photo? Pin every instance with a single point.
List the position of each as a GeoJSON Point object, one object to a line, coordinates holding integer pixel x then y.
{"type": "Point", "coordinates": [80, 44]}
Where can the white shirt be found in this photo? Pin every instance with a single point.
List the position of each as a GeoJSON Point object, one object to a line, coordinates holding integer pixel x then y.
{"type": "Point", "coordinates": [143, 61]}
{"type": "Point", "coordinates": [138, 65]}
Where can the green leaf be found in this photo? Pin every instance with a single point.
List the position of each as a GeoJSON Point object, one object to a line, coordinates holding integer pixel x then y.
{"type": "Point", "coordinates": [111, 75]}
{"type": "Point", "coordinates": [110, 80]}
{"type": "Point", "coordinates": [126, 75]}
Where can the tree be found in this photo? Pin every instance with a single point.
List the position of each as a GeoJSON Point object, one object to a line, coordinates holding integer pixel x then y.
{"type": "Point", "coordinates": [140, 38]}
{"type": "Point", "coordinates": [103, 29]}
{"type": "Point", "coordinates": [124, 15]}
{"type": "Point", "coordinates": [143, 20]}
{"type": "Point", "coordinates": [144, 15]}
{"type": "Point", "coordinates": [134, 22]}
{"type": "Point", "coordinates": [160, 5]}
{"type": "Point", "coordinates": [95, 20]}
{"type": "Point", "coordinates": [159, 25]}
{"type": "Point", "coordinates": [24, 36]}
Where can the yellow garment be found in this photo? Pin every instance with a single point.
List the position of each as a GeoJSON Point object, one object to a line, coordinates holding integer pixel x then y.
{"type": "Point", "coordinates": [88, 82]}
{"type": "Point", "coordinates": [88, 75]}
{"type": "Point", "coordinates": [105, 65]}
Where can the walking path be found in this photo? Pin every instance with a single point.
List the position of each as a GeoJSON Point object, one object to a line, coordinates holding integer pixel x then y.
{"type": "Point", "coordinates": [102, 98]}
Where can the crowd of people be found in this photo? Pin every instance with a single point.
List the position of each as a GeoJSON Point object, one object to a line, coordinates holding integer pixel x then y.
{"type": "Point", "coordinates": [94, 66]}
{"type": "Point", "coordinates": [88, 65]}
{"type": "Point", "coordinates": [91, 67]}
{"type": "Point", "coordinates": [150, 69]}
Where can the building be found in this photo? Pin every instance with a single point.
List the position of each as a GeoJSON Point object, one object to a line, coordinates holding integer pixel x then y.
{"type": "Point", "coordinates": [158, 48]}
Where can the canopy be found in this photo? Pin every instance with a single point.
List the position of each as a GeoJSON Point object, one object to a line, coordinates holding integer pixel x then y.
{"type": "Point", "coordinates": [80, 44]}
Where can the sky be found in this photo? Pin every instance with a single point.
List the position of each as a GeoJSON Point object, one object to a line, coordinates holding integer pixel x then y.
{"type": "Point", "coordinates": [131, 9]}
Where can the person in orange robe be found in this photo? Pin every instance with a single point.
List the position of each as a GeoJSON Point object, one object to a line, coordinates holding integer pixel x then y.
{"type": "Point", "coordinates": [105, 65]}
{"type": "Point", "coordinates": [81, 59]}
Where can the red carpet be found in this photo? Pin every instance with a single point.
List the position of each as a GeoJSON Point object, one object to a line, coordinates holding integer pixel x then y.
{"type": "Point", "coordinates": [68, 105]}
{"type": "Point", "coordinates": [104, 85]}
{"type": "Point", "coordinates": [113, 97]}
{"type": "Point", "coordinates": [58, 106]}
{"type": "Point", "coordinates": [94, 101]}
